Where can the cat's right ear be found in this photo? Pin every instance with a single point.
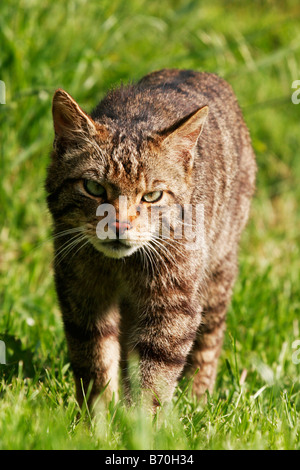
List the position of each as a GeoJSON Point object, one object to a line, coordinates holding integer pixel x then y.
{"type": "Point", "coordinates": [69, 120]}
{"type": "Point", "coordinates": [182, 137]}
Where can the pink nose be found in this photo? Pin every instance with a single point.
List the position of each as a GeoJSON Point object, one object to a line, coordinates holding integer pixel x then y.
{"type": "Point", "coordinates": [120, 227]}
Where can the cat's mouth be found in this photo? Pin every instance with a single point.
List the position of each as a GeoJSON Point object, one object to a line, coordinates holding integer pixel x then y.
{"type": "Point", "coordinates": [115, 248]}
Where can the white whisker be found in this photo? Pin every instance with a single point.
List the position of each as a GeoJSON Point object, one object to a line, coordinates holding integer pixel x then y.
{"type": "Point", "coordinates": [165, 250]}
{"type": "Point", "coordinates": [82, 246]}
{"type": "Point", "coordinates": [149, 257]}
{"type": "Point", "coordinates": [153, 248]}
{"type": "Point", "coordinates": [169, 241]}
{"type": "Point", "coordinates": [68, 247]}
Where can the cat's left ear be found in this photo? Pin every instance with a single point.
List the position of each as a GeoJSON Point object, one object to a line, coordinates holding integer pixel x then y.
{"type": "Point", "coordinates": [184, 137]}
{"type": "Point", "coordinates": [68, 118]}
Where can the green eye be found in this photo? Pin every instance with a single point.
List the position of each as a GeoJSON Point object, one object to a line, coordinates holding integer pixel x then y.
{"type": "Point", "coordinates": [152, 197]}
{"type": "Point", "coordinates": [94, 188]}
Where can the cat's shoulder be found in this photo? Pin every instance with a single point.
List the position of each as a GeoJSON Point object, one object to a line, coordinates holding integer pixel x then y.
{"type": "Point", "coordinates": [182, 77]}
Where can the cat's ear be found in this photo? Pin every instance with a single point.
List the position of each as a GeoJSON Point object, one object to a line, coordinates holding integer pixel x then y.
{"type": "Point", "coordinates": [69, 120]}
{"type": "Point", "coordinates": [182, 138]}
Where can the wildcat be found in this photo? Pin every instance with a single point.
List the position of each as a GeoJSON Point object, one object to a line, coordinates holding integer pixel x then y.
{"type": "Point", "coordinates": [174, 140]}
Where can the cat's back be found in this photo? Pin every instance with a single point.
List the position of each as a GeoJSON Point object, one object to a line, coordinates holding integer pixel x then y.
{"type": "Point", "coordinates": [164, 97]}
{"type": "Point", "coordinates": [225, 166]}
{"type": "Point", "coordinates": [188, 87]}
{"type": "Point", "coordinates": [168, 93]}
{"type": "Point", "coordinates": [176, 93]}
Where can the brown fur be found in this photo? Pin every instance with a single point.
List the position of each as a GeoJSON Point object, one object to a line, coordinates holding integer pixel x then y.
{"type": "Point", "coordinates": [159, 299]}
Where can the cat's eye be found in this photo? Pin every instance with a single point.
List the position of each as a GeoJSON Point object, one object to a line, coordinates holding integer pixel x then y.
{"type": "Point", "coordinates": [94, 188]}
{"type": "Point", "coordinates": [152, 197]}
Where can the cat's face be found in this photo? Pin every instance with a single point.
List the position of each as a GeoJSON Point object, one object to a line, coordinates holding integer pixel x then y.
{"type": "Point", "coordinates": [122, 192]}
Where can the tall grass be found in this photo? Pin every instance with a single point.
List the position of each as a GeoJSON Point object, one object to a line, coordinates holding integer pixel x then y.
{"type": "Point", "coordinates": [87, 47]}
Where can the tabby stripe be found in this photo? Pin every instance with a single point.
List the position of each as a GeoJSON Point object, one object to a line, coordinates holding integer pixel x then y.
{"type": "Point", "coordinates": [85, 374]}
{"type": "Point", "coordinates": [160, 355]}
{"type": "Point", "coordinates": [212, 324]}
{"type": "Point", "coordinates": [64, 210]}
{"type": "Point", "coordinates": [54, 195]}
{"type": "Point", "coordinates": [84, 335]}
{"type": "Point", "coordinates": [216, 309]}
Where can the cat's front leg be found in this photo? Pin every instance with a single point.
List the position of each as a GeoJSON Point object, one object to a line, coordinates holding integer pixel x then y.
{"type": "Point", "coordinates": [164, 339]}
{"type": "Point", "coordinates": [94, 353]}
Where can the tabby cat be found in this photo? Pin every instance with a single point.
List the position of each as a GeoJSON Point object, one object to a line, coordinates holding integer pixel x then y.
{"type": "Point", "coordinates": [152, 152]}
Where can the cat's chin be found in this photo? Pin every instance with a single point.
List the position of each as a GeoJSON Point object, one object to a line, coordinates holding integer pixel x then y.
{"type": "Point", "coordinates": [114, 248]}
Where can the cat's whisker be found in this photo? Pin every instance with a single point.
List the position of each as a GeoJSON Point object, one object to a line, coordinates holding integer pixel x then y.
{"type": "Point", "coordinates": [67, 232]}
{"type": "Point", "coordinates": [61, 248]}
{"type": "Point", "coordinates": [164, 249]}
{"type": "Point", "coordinates": [161, 249]}
{"type": "Point", "coordinates": [52, 237]}
{"type": "Point", "coordinates": [169, 241]}
{"type": "Point", "coordinates": [150, 258]}
{"type": "Point", "coordinates": [64, 253]}
{"type": "Point", "coordinates": [164, 234]}
{"type": "Point", "coordinates": [166, 253]}
{"type": "Point", "coordinates": [145, 259]}
{"type": "Point", "coordinates": [153, 248]}
{"type": "Point", "coordinates": [80, 248]}
{"type": "Point", "coordinates": [67, 247]}
{"type": "Point", "coordinates": [177, 246]}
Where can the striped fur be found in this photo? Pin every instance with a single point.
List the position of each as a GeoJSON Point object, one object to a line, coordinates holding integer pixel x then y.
{"type": "Point", "coordinates": [181, 131]}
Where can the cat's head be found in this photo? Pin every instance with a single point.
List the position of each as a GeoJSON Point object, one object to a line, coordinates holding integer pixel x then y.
{"type": "Point", "coordinates": [117, 182]}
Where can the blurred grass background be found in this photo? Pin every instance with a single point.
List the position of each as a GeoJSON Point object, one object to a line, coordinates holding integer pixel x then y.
{"type": "Point", "coordinates": [86, 47]}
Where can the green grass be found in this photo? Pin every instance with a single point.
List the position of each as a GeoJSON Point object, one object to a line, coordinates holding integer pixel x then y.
{"type": "Point", "coordinates": [85, 47]}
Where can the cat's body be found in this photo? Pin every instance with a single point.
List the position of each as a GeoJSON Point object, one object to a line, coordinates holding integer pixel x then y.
{"type": "Point", "coordinates": [160, 297]}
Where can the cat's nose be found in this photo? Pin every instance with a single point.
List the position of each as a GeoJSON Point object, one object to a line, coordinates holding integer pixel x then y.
{"type": "Point", "coordinates": [120, 227]}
